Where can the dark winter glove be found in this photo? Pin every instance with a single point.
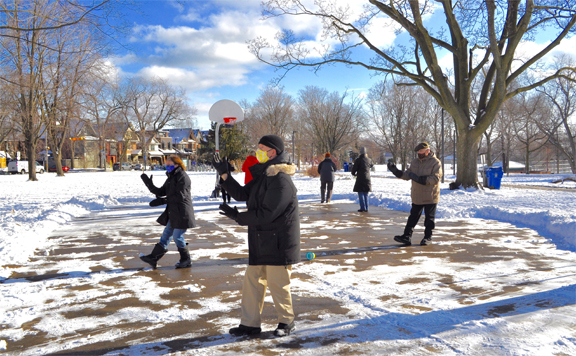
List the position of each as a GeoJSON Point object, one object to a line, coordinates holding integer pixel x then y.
{"type": "Point", "coordinates": [393, 169]}
{"type": "Point", "coordinates": [417, 179]}
{"type": "Point", "coordinates": [230, 212]}
{"type": "Point", "coordinates": [158, 202]}
{"type": "Point", "coordinates": [220, 164]}
{"type": "Point", "coordinates": [147, 180]}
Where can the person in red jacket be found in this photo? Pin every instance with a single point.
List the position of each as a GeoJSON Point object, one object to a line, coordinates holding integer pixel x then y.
{"type": "Point", "coordinates": [249, 162]}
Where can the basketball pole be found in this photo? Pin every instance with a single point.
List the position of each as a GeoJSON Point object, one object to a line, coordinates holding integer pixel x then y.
{"type": "Point", "coordinates": [217, 142]}
{"type": "Point", "coordinates": [224, 112]}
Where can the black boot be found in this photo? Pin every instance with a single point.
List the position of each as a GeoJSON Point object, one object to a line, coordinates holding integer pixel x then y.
{"type": "Point", "coordinates": [403, 239]}
{"type": "Point", "coordinates": [185, 261]}
{"type": "Point", "coordinates": [427, 240]}
{"type": "Point", "coordinates": [284, 329]}
{"type": "Point", "coordinates": [157, 253]}
{"type": "Point", "coordinates": [245, 330]}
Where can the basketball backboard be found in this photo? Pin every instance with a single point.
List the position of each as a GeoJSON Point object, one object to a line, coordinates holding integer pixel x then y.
{"type": "Point", "coordinates": [226, 112]}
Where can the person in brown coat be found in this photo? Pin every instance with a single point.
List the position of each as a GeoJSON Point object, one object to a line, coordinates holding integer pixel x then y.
{"type": "Point", "coordinates": [425, 171]}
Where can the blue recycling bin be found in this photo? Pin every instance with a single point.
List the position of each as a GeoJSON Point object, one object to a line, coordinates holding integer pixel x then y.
{"type": "Point", "coordinates": [345, 166]}
{"type": "Point", "coordinates": [494, 177]}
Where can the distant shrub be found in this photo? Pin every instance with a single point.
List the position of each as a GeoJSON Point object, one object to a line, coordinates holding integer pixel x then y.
{"type": "Point", "coordinates": [312, 172]}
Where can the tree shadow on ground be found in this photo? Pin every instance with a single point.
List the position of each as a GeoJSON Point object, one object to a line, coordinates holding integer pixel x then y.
{"type": "Point", "coordinates": [209, 263]}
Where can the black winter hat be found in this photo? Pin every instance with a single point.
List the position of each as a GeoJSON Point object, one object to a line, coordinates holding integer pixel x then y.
{"type": "Point", "coordinates": [274, 142]}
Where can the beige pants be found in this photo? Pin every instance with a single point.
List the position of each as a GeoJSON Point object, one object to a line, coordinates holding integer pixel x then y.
{"type": "Point", "coordinates": [256, 279]}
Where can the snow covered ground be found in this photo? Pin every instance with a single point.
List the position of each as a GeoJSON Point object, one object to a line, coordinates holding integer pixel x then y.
{"type": "Point", "coordinates": [31, 211]}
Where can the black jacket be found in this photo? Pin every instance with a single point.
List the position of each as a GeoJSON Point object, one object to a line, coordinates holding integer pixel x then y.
{"type": "Point", "coordinates": [361, 170]}
{"type": "Point", "coordinates": [272, 217]}
{"type": "Point", "coordinates": [179, 209]}
{"type": "Point", "coordinates": [326, 168]}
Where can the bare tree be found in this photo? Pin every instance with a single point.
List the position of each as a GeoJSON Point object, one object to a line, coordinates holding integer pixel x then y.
{"type": "Point", "coordinates": [149, 105]}
{"type": "Point", "coordinates": [329, 119]}
{"type": "Point", "coordinates": [76, 12]}
{"type": "Point", "coordinates": [526, 129]}
{"type": "Point", "coordinates": [7, 110]}
{"type": "Point", "coordinates": [561, 94]}
{"type": "Point", "coordinates": [271, 114]}
{"type": "Point", "coordinates": [102, 105]}
{"type": "Point", "coordinates": [75, 58]}
{"type": "Point", "coordinates": [24, 59]}
{"type": "Point", "coordinates": [396, 120]}
{"type": "Point", "coordinates": [480, 35]}
{"type": "Point", "coordinates": [29, 33]}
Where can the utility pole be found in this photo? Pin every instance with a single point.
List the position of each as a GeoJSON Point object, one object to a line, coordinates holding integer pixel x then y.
{"type": "Point", "coordinates": [293, 146]}
{"type": "Point", "coordinates": [442, 134]}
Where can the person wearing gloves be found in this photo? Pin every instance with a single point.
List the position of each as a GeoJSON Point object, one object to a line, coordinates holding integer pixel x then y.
{"type": "Point", "coordinates": [425, 171]}
{"type": "Point", "coordinates": [273, 233]}
{"type": "Point", "coordinates": [363, 185]}
{"type": "Point", "coordinates": [326, 169]}
{"type": "Point", "coordinates": [178, 215]}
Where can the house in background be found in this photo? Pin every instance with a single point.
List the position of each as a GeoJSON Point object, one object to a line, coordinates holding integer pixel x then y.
{"type": "Point", "coordinates": [185, 142]}
{"type": "Point", "coordinates": [155, 156]}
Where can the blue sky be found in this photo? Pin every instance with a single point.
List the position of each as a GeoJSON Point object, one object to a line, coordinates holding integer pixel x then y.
{"type": "Point", "coordinates": [201, 46]}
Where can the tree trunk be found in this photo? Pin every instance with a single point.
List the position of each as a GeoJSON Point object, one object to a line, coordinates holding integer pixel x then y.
{"type": "Point", "coordinates": [31, 154]}
{"type": "Point", "coordinates": [73, 149]}
{"type": "Point", "coordinates": [58, 162]}
{"type": "Point", "coordinates": [488, 152]}
{"type": "Point", "coordinates": [467, 153]}
{"type": "Point", "coordinates": [527, 160]}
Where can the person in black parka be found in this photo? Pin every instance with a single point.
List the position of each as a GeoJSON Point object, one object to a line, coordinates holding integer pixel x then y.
{"type": "Point", "coordinates": [178, 215]}
{"type": "Point", "coordinates": [363, 185]}
{"type": "Point", "coordinates": [326, 168]}
{"type": "Point", "coordinates": [273, 233]}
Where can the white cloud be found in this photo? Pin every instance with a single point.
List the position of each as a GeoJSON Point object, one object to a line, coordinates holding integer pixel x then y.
{"type": "Point", "coordinates": [195, 80]}
{"type": "Point", "coordinates": [381, 32]}
{"type": "Point", "coordinates": [567, 46]}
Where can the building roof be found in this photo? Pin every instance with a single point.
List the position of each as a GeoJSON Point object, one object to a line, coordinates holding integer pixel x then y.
{"type": "Point", "coordinates": [179, 135]}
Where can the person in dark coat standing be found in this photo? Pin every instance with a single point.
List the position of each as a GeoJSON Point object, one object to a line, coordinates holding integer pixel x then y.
{"type": "Point", "coordinates": [327, 169]}
{"type": "Point", "coordinates": [425, 171]}
{"type": "Point", "coordinates": [225, 196]}
{"type": "Point", "coordinates": [363, 185]}
{"type": "Point", "coordinates": [178, 215]}
{"type": "Point", "coordinates": [273, 233]}
{"type": "Point", "coordinates": [249, 162]}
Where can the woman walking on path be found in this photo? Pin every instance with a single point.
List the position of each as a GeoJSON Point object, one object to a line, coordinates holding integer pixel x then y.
{"type": "Point", "coordinates": [326, 168]}
{"type": "Point", "coordinates": [179, 213]}
{"type": "Point", "coordinates": [363, 185]}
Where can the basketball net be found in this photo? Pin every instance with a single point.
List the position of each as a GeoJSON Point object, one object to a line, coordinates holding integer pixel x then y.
{"type": "Point", "coordinates": [230, 120]}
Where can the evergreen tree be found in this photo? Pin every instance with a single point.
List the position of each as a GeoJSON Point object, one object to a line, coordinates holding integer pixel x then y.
{"type": "Point", "coordinates": [234, 143]}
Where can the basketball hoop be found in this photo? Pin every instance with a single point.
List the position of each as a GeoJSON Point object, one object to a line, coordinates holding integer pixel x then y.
{"type": "Point", "coordinates": [226, 112]}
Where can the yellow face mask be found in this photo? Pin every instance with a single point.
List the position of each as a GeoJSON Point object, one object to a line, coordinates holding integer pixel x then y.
{"type": "Point", "coordinates": [262, 156]}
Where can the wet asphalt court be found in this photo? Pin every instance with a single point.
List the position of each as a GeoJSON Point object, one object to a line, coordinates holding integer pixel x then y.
{"type": "Point", "coordinates": [110, 241]}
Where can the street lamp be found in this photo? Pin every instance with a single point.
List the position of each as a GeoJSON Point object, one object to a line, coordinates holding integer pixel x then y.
{"type": "Point", "coordinates": [293, 146]}
{"type": "Point", "coordinates": [442, 134]}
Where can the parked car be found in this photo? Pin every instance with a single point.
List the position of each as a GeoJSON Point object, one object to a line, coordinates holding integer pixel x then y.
{"type": "Point", "coordinates": [158, 167]}
{"type": "Point", "coordinates": [22, 167]}
{"type": "Point", "coordinates": [140, 166]}
{"type": "Point", "coordinates": [116, 166]}
{"type": "Point", "coordinates": [53, 168]}
{"type": "Point", "coordinates": [126, 166]}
